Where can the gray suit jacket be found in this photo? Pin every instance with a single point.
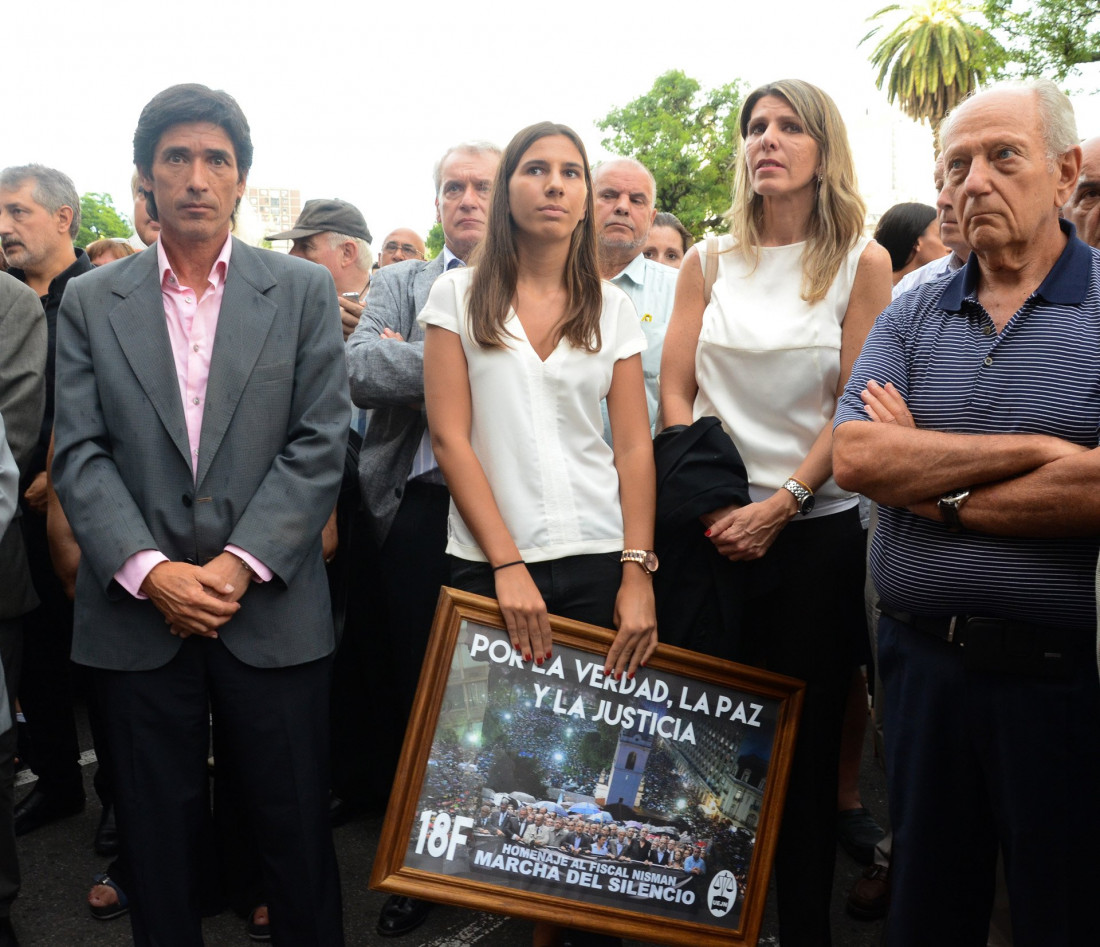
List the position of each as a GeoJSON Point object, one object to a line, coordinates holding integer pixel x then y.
{"type": "Point", "coordinates": [270, 455]}
{"type": "Point", "coordinates": [22, 400]}
{"type": "Point", "coordinates": [388, 376]}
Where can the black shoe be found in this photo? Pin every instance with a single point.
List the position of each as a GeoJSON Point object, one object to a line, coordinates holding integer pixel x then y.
{"type": "Point", "coordinates": [106, 836]}
{"type": "Point", "coordinates": [38, 809]}
{"type": "Point", "coordinates": [7, 933]}
{"type": "Point", "coordinates": [869, 898]}
{"type": "Point", "coordinates": [341, 811]}
{"type": "Point", "coordinates": [401, 915]}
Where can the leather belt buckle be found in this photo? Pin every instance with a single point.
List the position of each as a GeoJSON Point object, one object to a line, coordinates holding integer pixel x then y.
{"type": "Point", "coordinates": [952, 626]}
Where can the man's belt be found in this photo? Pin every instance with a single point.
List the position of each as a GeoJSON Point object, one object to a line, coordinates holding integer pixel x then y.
{"type": "Point", "coordinates": [1000, 644]}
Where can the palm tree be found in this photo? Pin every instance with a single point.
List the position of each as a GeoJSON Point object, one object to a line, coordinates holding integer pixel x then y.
{"type": "Point", "coordinates": [932, 59]}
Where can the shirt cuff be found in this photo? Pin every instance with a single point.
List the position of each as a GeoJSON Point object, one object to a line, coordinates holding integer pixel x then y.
{"type": "Point", "coordinates": [260, 572]}
{"type": "Point", "coordinates": [134, 570]}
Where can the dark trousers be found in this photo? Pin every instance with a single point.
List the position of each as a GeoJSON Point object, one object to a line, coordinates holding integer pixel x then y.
{"type": "Point", "coordinates": [579, 587]}
{"type": "Point", "coordinates": [354, 586]}
{"type": "Point", "coordinates": [274, 730]}
{"type": "Point", "coordinates": [977, 760]}
{"type": "Point", "coordinates": [46, 685]}
{"type": "Point", "coordinates": [803, 616]}
{"type": "Point", "coordinates": [11, 646]}
{"type": "Point", "coordinates": [410, 568]}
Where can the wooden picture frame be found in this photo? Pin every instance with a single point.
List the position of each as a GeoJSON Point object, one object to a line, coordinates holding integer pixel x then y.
{"type": "Point", "coordinates": [702, 752]}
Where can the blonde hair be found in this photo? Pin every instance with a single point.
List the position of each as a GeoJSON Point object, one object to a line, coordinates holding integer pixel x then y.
{"type": "Point", "coordinates": [836, 221]}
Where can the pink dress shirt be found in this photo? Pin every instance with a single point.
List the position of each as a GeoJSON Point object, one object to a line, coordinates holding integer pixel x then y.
{"type": "Point", "coordinates": [192, 320]}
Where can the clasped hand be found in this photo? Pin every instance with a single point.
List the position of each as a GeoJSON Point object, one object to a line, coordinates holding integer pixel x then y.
{"type": "Point", "coordinates": [197, 600]}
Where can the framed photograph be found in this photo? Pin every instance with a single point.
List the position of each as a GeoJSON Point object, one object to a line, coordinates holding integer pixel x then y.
{"type": "Point", "coordinates": [648, 807]}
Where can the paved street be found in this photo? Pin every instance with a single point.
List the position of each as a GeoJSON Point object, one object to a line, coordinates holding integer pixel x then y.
{"type": "Point", "coordinates": [58, 864]}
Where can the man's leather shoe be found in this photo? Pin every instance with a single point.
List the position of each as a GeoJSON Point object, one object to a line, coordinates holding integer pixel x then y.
{"type": "Point", "coordinates": [401, 914]}
{"type": "Point", "coordinates": [869, 898]}
{"type": "Point", "coordinates": [341, 811]}
{"type": "Point", "coordinates": [106, 836]}
{"type": "Point", "coordinates": [7, 933]}
{"type": "Point", "coordinates": [39, 809]}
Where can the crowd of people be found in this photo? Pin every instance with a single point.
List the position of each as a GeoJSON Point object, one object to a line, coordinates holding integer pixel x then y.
{"type": "Point", "coordinates": [243, 476]}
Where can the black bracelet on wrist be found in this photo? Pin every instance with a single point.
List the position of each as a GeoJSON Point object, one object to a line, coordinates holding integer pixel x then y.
{"type": "Point", "coordinates": [505, 565]}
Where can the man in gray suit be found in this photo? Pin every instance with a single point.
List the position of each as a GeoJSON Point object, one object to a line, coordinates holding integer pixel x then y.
{"type": "Point", "coordinates": [200, 427]}
{"type": "Point", "coordinates": [22, 400]}
{"type": "Point", "coordinates": [404, 497]}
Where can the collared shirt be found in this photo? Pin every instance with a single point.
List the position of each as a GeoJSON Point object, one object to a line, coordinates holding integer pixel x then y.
{"type": "Point", "coordinates": [1039, 375]}
{"type": "Point", "coordinates": [191, 316]}
{"type": "Point", "coordinates": [51, 303]}
{"type": "Point", "coordinates": [925, 274]}
{"type": "Point", "coordinates": [652, 288]}
{"type": "Point", "coordinates": [424, 466]}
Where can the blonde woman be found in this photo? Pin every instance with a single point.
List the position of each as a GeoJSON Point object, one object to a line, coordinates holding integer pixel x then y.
{"type": "Point", "coordinates": [796, 291]}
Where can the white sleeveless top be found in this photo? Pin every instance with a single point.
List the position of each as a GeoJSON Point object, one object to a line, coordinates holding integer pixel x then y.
{"type": "Point", "coordinates": [768, 363]}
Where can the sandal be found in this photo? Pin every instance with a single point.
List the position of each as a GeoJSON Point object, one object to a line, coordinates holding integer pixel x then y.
{"type": "Point", "coordinates": [258, 932]}
{"type": "Point", "coordinates": [108, 912]}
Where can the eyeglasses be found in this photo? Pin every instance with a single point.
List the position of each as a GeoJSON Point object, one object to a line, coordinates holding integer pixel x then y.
{"type": "Point", "coordinates": [407, 248]}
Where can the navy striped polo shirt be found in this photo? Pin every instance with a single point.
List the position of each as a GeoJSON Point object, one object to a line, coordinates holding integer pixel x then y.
{"type": "Point", "coordinates": [1039, 375]}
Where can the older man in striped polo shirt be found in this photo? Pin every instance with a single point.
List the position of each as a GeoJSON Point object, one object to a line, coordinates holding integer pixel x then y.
{"type": "Point", "coordinates": [972, 417]}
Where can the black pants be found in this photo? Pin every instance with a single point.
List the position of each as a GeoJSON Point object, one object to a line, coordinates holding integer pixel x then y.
{"type": "Point", "coordinates": [579, 587]}
{"type": "Point", "coordinates": [401, 594]}
{"type": "Point", "coordinates": [274, 730]}
{"type": "Point", "coordinates": [46, 686]}
{"type": "Point", "coordinates": [802, 616]}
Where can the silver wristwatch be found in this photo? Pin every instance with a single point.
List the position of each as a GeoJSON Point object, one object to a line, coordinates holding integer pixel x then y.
{"type": "Point", "coordinates": [802, 494]}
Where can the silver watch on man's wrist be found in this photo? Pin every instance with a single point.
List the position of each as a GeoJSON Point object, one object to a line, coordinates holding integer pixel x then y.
{"type": "Point", "coordinates": [950, 504]}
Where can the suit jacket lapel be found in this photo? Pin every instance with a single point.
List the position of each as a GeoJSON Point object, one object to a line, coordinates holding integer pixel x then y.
{"type": "Point", "coordinates": [243, 325]}
{"type": "Point", "coordinates": [139, 324]}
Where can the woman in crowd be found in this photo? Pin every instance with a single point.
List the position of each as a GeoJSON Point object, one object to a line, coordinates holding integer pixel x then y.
{"type": "Point", "coordinates": [911, 235]}
{"type": "Point", "coordinates": [107, 250]}
{"type": "Point", "coordinates": [767, 350]}
{"type": "Point", "coordinates": [668, 241]}
{"type": "Point", "coordinates": [518, 352]}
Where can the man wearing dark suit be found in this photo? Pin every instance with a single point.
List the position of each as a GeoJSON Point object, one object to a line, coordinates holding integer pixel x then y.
{"type": "Point", "coordinates": [201, 419]}
{"type": "Point", "coordinates": [39, 218]}
{"type": "Point", "coordinates": [405, 500]}
{"type": "Point", "coordinates": [22, 398]}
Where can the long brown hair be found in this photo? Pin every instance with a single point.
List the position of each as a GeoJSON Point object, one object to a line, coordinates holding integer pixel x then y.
{"type": "Point", "coordinates": [836, 221]}
{"type": "Point", "coordinates": [493, 283]}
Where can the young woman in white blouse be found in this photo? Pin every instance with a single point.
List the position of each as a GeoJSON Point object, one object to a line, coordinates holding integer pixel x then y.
{"type": "Point", "coordinates": [519, 350]}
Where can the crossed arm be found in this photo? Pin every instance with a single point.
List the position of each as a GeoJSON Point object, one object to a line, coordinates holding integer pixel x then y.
{"type": "Point", "coordinates": [1031, 485]}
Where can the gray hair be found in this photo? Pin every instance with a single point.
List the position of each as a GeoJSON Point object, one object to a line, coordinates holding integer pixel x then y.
{"type": "Point", "coordinates": [634, 163]}
{"type": "Point", "coordinates": [366, 257]}
{"type": "Point", "coordinates": [467, 147]}
{"type": "Point", "coordinates": [53, 189]}
{"type": "Point", "coordinates": [1056, 118]}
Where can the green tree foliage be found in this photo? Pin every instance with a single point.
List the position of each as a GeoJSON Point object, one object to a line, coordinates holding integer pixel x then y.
{"type": "Point", "coordinates": [434, 243]}
{"type": "Point", "coordinates": [931, 58]}
{"type": "Point", "coordinates": [688, 138]}
{"type": "Point", "coordinates": [1050, 38]}
{"type": "Point", "coordinates": [100, 218]}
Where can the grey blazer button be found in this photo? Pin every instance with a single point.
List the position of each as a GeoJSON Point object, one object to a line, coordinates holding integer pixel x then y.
{"type": "Point", "coordinates": [187, 499]}
{"type": "Point", "coordinates": [397, 492]}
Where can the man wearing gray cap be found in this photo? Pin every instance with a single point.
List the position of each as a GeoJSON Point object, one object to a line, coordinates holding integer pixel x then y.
{"type": "Point", "coordinates": [334, 233]}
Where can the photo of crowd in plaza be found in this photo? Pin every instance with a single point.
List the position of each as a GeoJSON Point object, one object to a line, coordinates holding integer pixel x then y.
{"type": "Point", "coordinates": [643, 793]}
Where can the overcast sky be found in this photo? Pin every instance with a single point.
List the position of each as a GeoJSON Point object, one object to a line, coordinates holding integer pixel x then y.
{"type": "Point", "coordinates": [357, 99]}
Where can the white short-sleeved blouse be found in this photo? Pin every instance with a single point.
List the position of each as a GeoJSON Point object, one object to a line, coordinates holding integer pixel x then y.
{"type": "Point", "coordinates": [537, 430]}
